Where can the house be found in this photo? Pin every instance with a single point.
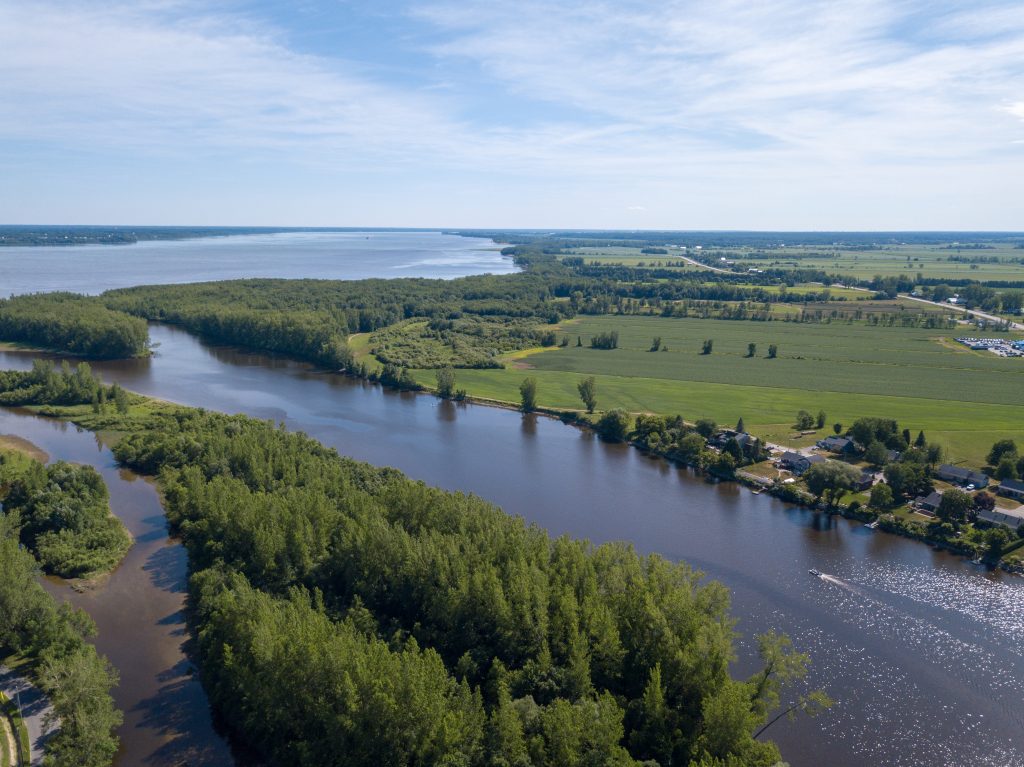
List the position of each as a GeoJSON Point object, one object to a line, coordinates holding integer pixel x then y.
{"type": "Point", "coordinates": [891, 456]}
{"type": "Point", "coordinates": [843, 445]}
{"type": "Point", "coordinates": [1011, 488]}
{"type": "Point", "coordinates": [798, 463]}
{"type": "Point", "coordinates": [865, 481]}
{"type": "Point", "coordinates": [1011, 518]}
{"type": "Point", "coordinates": [958, 475]}
{"type": "Point", "coordinates": [720, 439]}
{"type": "Point", "coordinates": [928, 504]}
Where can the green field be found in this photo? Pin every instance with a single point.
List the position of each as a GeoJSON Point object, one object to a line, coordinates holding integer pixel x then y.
{"type": "Point", "coordinates": [930, 261]}
{"type": "Point", "coordinates": [962, 399]}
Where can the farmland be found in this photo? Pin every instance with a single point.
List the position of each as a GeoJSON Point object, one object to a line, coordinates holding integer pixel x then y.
{"type": "Point", "coordinates": [962, 399]}
{"type": "Point", "coordinates": [997, 262]}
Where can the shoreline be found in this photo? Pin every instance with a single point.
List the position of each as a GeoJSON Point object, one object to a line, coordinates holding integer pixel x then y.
{"type": "Point", "coordinates": [886, 520]}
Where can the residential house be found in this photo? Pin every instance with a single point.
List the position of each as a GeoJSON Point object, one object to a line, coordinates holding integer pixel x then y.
{"type": "Point", "coordinates": [865, 481]}
{"type": "Point", "coordinates": [798, 463]}
{"type": "Point", "coordinates": [843, 445]}
{"type": "Point", "coordinates": [1011, 518]}
{"type": "Point", "coordinates": [929, 503]}
{"type": "Point", "coordinates": [1011, 488]}
{"type": "Point", "coordinates": [958, 475]}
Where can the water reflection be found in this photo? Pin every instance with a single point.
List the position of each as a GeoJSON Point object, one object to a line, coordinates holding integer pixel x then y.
{"type": "Point", "coordinates": [905, 637]}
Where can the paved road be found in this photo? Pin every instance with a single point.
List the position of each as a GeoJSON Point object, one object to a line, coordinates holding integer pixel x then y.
{"type": "Point", "coordinates": [969, 312]}
{"type": "Point", "coordinates": [703, 266]}
{"type": "Point", "coordinates": [34, 709]}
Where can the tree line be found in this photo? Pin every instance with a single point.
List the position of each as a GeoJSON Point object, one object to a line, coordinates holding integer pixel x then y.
{"type": "Point", "coordinates": [71, 323]}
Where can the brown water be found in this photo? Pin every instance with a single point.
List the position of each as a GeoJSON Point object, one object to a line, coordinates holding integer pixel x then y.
{"type": "Point", "coordinates": [138, 612]}
{"type": "Point", "coordinates": [921, 649]}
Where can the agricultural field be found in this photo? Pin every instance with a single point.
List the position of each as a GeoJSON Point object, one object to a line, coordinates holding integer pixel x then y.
{"type": "Point", "coordinates": [962, 399]}
{"type": "Point", "coordinates": [930, 261]}
{"type": "Point", "coordinates": [629, 256]}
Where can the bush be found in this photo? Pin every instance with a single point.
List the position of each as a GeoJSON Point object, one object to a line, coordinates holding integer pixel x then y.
{"type": "Point", "coordinates": [614, 426]}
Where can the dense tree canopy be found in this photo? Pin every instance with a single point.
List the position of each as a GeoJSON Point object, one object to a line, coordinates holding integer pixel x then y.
{"type": "Point", "coordinates": [72, 323]}
{"type": "Point", "coordinates": [390, 607]}
{"type": "Point", "coordinates": [75, 678]}
{"type": "Point", "coordinates": [64, 514]}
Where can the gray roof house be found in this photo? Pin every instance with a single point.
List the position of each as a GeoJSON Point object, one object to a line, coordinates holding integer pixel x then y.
{"type": "Point", "coordinates": [1011, 488]}
{"type": "Point", "coordinates": [837, 444]}
{"type": "Point", "coordinates": [929, 503]}
{"type": "Point", "coordinates": [798, 463]}
{"type": "Point", "coordinates": [958, 475]}
{"type": "Point", "coordinates": [1011, 518]}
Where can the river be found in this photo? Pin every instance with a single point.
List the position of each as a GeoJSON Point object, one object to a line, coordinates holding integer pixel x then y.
{"type": "Point", "coordinates": [920, 648]}
{"type": "Point", "coordinates": [327, 255]}
{"type": "Point", "coordinates": [138, 612]}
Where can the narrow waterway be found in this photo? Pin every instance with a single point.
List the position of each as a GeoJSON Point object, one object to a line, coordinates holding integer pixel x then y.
{"type": "Point", "coordinates": [921, 649]}
{"type": "Point", "coordinates": [138, 612]}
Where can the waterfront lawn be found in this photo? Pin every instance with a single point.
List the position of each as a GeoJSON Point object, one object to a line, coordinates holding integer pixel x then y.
{"type": "Point", "coordinates": [963, 400]}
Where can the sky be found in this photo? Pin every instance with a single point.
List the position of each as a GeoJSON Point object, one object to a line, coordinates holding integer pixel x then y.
{"type": "Point", "coordinates": [634, 114]}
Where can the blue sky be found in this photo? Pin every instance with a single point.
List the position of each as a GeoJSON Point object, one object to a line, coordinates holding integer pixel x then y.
{"type": "Point", "coordinates": [632, 114]}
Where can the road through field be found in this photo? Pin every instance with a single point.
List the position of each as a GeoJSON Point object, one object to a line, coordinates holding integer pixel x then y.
{"type": "Point", "coordinates": [969, 312]}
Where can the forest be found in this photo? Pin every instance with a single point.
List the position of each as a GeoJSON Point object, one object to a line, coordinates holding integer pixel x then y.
{"type": "Point", "coordinates": [71, 323]}
{"type": "Point", "coordinates": [409, 625]}
{"type": "Point", "coordinates": [63, 512]}
{"type": "Point", "coordinates": [51, 640]}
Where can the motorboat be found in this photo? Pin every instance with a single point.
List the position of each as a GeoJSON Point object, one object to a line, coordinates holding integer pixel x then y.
{"type": "Point", "coordinates": [815, 572]}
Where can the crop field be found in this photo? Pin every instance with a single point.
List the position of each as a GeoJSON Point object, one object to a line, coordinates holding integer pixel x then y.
{"type": "Point", "coordinates": [931, 262]}
{"type": "Point", "coordinates": [963, 399]}
{"type": "Point", "coordinates": [630, 257]}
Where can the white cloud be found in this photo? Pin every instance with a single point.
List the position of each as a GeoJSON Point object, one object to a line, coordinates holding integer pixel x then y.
{"type": "Point", "coordinates": [730, 110]}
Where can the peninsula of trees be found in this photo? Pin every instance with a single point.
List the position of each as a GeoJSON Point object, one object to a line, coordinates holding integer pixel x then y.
{"type": "Point", "coordinates": [409, 625]}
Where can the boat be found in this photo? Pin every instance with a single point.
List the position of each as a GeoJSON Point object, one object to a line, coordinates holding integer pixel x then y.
{"type": "Point", "coordinates": [816, 573]}
{"type": "Point", "coordinates": [872, 525]}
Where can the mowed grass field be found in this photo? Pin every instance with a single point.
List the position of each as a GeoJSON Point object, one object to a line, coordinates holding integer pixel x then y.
{"type": "Point", "coordinates": [965, 400]}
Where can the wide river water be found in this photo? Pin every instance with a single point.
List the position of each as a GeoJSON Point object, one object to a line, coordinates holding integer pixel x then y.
{"type": "Point", "coordinates": [327, 255]}
{"type": "Point", "coordinates": [921, 649]}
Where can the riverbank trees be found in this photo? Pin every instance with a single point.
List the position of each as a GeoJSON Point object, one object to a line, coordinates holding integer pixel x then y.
{"type": "Point", "coordinates": [52, 638]}
{"type": "Point", "coordinates": [71, 323]}
{"type": "Point", "coordinates": [429, 626]}
{"type": "Point", "coordinates": [63, 513]}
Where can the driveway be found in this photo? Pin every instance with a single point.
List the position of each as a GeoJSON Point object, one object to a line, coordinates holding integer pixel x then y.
{"type": "Point", "coordinates": [34, 709]}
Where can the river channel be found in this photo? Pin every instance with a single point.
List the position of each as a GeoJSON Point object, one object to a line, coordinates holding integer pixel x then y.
{"type": "Point", "coordinates": [921, 649]}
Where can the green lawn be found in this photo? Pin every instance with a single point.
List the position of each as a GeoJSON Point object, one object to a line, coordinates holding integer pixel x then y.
{"type": "Point", "coordinates": [962, 399]}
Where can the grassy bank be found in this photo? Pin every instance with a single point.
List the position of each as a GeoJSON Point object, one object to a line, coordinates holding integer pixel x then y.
{"type": "Point", "coordinates": [963, 400]}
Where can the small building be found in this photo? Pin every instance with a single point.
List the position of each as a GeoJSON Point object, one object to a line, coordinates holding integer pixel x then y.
{"type": "Point", "coordinates": [928, 504]}
{"type": "Point", "coordinates": [1011, 488]}
{"type": "Point", "coordinates": [891, 456]}
{"type": "Point", "coordinates": [958, 475]}
{"type": "Point", "coordinates": [843, 445]}
{"type": "Point", "coordinates": [798, 463]}
{"type": "Point", "coordinates": [1011, 518]}
{"type": "Point", "coordinates": [865, 481]}
{"type": "Point", "coordinates": [721, 438]}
